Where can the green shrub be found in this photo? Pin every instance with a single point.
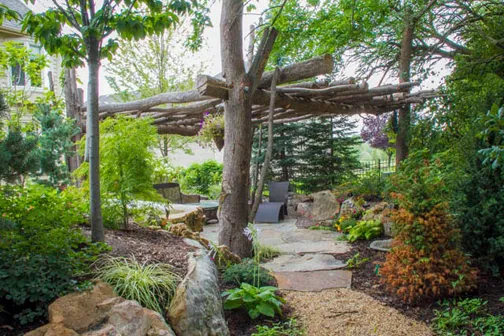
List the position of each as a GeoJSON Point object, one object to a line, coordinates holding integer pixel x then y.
{"type": "Point", "coordinates": [365, 230]}
{"type": "Point", "coordinates": [256, 300]}
{"type": "Point", "coordinates": [152, 285]}
{"type": "Point", "coordinates": [199, 178]}
{"type": "Point", "coordinates": [467, 316]}
{"type": "Point", "coordinates": [41, 252]}
{"type": "Point", "coordinates": [287, 328]}
{"type": "Point", "coordinates": [244, 272]}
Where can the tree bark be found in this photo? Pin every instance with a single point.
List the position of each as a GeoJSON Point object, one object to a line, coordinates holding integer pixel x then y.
{"type": "Point", "coordinates": [73, 104]}
{"type": "Point", "coordinates": [256, 168]}
{"type": "Point", "coordinates": [233, 211]}
{"type": "Point", "coordinates": [269, 150]}
{"type": "Point", "coordinates": [93, 138]}
{"type": "Point", "coordinates": [404, 76]}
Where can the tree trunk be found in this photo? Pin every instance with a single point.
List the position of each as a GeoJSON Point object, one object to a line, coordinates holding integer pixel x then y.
{"type": "Point", "coordinates": [404, 76]}
{"type": "Point", "coordinates": [269, 150]}
{"type": "Point", "coordinates": [95, 217]}
{"type": "Point", "coordinates": [233, 217]}
{"type": "Point", "coordinates": [73, 104]}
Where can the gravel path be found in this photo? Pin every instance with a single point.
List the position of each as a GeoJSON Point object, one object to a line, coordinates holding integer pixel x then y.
{"type": "Point", "coordinates": [345, 312]}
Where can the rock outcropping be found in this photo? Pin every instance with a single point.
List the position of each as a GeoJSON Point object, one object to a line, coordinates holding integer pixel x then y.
{"type": "Point", "coordinates": [100, 312]}
{"type": "Point", "coordinates": [196, 309]}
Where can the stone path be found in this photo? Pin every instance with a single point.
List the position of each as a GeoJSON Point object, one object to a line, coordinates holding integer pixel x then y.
{"type": "Point", "coordinates": [318, 291]}
{"type": "Point", "coordinates": [308, 259]}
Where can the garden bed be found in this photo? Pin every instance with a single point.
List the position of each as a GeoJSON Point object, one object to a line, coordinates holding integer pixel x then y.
{"type": "Point", "coordinates": [365, 280]}
{"type": "Point", "coordinates": [148, 246]}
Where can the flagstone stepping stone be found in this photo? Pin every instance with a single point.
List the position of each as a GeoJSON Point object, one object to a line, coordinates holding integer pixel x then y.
{"type": "Point", "coordinates": [305, 263]}
{"type": "Point", "coordinates": [303, 235]}
{"type": "Point", "coordinates": [313, 281]}
{"type": "Point", "coordinates": [330, 247]}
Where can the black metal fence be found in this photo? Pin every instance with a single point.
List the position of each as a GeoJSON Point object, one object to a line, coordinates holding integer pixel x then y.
{"type": "Point", "coordinates": [381, 166]}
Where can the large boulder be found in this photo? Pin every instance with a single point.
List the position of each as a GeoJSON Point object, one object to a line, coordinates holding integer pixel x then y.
{"type": "Point", "coordinates": [381, 211]}
{"type": "Point", "coordinates": [304, 209]}
{"type": "Point", "coordinates": [325, 206]}
{"type": "Point", "coordinates": [100, 312]}
{"type": "Point", "coordinates": [196, 309]}
{"type": "Point", "coordinates": [349, 207]}
{"type": "Point", "coordinates": [299, 198]}
{"type": "Point", "coordinates": [80, 310]}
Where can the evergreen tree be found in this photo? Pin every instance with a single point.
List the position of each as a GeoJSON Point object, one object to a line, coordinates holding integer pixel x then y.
{"type": "Point", "coordinates": [327, 153]}
{"type": "Point", "coordinates": [55, 144]}
{"type": "Point", "coordinates": [314, 155]}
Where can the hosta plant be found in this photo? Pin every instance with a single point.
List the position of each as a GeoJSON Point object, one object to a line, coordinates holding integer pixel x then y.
{"type": "Point", "coordinates": [256, 300]}
{"type": "Point", "coordinates": [365, 230]}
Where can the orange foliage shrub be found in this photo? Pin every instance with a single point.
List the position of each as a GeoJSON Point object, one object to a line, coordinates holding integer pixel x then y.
{"type": "Point", "coordinates": [425, 261]}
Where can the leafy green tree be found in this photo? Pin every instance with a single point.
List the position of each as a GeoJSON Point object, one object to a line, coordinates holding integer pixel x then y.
{"type": "Point", "coordinates": [393, 39]}
{"type": "Point", "coordinates": [154, 65]}
{"type": "Point", "coordinates": [126, 161]}
{"type": "Point", "coordinates": [55, 142]}
{"type": "Point", "coordinates": [157, 64]}
{"type": "Point", "coordinates": [25, 68]}
{"type": "Point", "coordinates": [199, 178]}
{"type": "Point", "coordinates": [80, 31]}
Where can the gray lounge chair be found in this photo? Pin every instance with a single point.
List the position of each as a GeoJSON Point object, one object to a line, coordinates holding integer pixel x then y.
{"type": "Point", "coordinates": [276, 208]}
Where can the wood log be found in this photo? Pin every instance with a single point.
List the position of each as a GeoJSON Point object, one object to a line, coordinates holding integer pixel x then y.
{"type": "Point", "coordinates": [307, 85]}
{"type": "Point", "coordinates": [345, 81]}
{"type": "Point", "coordinates": [212, 87]}
{"type": "Point", "coordinates": [314, 93]}
{"type": "Point", "coordinates": [180, 130]}
{"type": "Point", "coordinates": [374, 92]}
{"type": "Point", "coordinates": [146, 103]}
{"type": "Point", "coordinates": [298, 71]}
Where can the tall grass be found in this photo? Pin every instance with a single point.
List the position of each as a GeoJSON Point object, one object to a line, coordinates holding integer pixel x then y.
{"type": "Point", "coordinates": [151, 285]}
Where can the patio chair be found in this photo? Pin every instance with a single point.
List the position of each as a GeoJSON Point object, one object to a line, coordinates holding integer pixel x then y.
{"type": "Point", "coordinates": [276, 208]}
{"type": "Point", "coordinates": [171, 191]}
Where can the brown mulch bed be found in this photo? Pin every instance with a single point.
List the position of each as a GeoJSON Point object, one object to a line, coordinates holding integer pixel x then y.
{"type": "Point", "coordinates": [148, 246]}
{"type": "Point", "coordinates": [364, 279]}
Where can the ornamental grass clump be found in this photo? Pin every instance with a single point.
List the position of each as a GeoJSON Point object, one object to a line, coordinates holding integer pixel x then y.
{"type": "Point", "coordinates": [425, 261]}
{"type": "Point", "coordinates": [151, 285]}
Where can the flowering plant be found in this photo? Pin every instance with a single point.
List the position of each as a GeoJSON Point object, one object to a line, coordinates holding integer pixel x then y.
{"type": "Point", "coordinates": [212, 128]}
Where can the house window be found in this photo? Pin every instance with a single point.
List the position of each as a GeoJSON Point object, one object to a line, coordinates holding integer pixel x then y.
{"type": "Point", "coordinates": [17, 75]}
{"type": "Point", "coordinates": [20, 78]}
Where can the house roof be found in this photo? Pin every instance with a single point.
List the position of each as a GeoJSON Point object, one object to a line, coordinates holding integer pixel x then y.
{"type": "Point", "coordinates": [20, 7]}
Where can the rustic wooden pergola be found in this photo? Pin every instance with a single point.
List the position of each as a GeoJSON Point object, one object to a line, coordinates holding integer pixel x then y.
{"type": "Point", "coordinates": [295, 99]}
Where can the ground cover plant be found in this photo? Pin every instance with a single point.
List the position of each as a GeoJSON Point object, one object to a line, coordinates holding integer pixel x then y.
{"type": "Point", "coordinates": [288, 328]}
{"type": "Point", "coordinates": [461, 317]}
{"type": "Point", "coordinates": [151, 285]}
{"type": "Point", "coordinates": [42, 253]}
{"type": "Point", "coordinates": [246, 272]}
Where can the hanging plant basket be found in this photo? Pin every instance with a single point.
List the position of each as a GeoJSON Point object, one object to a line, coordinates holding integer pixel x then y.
{"type": "Point", "coordinates": [219, 142]}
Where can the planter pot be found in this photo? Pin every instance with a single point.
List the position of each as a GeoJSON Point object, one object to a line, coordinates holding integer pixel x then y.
{"type": "Point", "coordinates": [219, 142]}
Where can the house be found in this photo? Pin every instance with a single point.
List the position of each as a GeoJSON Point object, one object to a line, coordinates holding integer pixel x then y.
{"type": "Point", "coordinates": [14, 78]}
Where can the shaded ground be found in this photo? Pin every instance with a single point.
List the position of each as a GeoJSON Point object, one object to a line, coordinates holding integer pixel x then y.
{"type": "Point", "coordinates": [149, 246]}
